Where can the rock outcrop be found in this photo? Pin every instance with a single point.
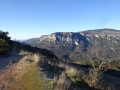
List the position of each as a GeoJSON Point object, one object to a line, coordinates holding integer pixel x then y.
{"type": "Point", "coordinates": [98, 43]}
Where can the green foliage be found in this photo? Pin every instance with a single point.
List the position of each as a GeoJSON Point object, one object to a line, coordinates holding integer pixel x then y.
{"type": "Point", "coordinates": [4, 47]}
{"type": "Point", "coordinates": [84, 62]}
{"type": "Point", "coordinates": [5, 43]}
{"type": "Point", "coordinates": [3, 35]}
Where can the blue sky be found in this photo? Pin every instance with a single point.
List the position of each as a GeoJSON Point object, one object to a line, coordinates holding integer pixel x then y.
{"type": "Point", "coordinates": [25, 19]}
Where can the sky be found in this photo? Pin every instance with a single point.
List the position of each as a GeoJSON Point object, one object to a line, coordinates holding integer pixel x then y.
{"type": "Point", "coordinates": [25, 19]}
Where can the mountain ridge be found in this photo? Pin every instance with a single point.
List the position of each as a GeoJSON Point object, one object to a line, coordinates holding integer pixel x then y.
{"type": "Point", "coordinates": [98, 43]}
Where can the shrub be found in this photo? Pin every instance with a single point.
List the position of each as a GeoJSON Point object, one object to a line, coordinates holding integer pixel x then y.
{"type": "Point", "coordinates": [4, 47]}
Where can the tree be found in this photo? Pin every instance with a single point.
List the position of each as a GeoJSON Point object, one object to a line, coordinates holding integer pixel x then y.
{"type": "Point", "coordinates": [97, 71]}
{"type": "Point", "coordinates": [4, 47]}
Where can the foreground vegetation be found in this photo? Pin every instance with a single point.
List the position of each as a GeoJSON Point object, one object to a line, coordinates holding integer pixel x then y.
{"type": "Point", "coordinates": [35, 80]}
{"type": "Point", "coordinates": [5, 43]}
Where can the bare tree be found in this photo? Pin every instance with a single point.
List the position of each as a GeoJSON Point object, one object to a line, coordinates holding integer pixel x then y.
{"type": "Point", "coordinates": [97, 71]}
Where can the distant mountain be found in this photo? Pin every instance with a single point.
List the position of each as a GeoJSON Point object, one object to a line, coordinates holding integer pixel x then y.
{"type": "Point", "coordinates": [32, 40]}
{"type": "Point", "coordinates": [97, 44]}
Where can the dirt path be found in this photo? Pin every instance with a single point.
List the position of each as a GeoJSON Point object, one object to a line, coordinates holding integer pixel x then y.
{"type": "Point", "coordinates": [12, 68]}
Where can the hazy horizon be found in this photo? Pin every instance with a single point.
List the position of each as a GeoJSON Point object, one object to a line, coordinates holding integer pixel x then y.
{"type": "Point", "coordinates": [25, 19]}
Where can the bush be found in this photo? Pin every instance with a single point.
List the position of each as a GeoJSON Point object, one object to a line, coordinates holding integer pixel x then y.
{"type": "Point", "coordinates": [4, 47]}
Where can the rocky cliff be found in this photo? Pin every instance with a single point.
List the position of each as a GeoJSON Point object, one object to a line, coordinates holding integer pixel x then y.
{"type": "Point", "coordinates": [99, 43]}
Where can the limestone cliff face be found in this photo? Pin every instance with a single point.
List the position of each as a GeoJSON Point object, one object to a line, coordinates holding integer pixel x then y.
{"type": "Point", "coordinates": [98, 43]}
{"type": "Point", "coordinates": [63, 38]}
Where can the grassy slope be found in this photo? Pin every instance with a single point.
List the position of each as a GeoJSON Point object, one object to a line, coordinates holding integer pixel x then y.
{"type": "Point", "coordinates": [25, 75]}
{"type": "Point", "coordinates": [35, 80]}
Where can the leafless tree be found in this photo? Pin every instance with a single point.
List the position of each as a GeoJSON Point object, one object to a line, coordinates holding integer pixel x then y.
{"type": "Point", "coordinates": [97, 71]}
